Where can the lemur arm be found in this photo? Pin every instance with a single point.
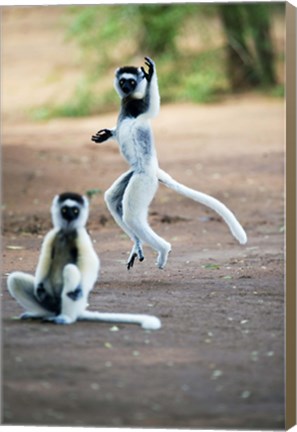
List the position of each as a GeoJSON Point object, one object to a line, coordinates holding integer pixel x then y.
{"type": "Point", "coordinates": [104, 135]}
{"type": "Point", "coordinates": [152, 89]}
{"type": "Point", "coordinates": [45, 257]}
{"type": "Point", "coordinates": [88, 261]}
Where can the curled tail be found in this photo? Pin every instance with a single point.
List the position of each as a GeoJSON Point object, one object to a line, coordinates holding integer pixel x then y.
{"type": "Point", "coordinates": [147, 322]}
{"type": "Point", "coordinates": [233, 224]}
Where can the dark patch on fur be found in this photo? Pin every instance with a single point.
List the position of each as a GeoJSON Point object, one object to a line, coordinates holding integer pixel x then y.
{"type": "Point", "coordinates": [118, 194]}
{"type": "Point", "coordinates": [70, 195]}
{"type": "Point", "coordinates": [48, 301]}
{"type": "Point", "coordinates": [64, 251]}
{"type": "Point", "coordinates": [76, 294]}
{"type": "Point", "coordinates": [144, 140]}
{"type": "Point", "coordinates": [134, 107]}
{"type": "Point", "coordinates": [127, 69]}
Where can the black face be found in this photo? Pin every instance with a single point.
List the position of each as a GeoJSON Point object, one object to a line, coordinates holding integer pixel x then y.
{"type": "Point", "coordinates": [127, 85]}
{"type": "Point", "coordinates": [70, 213]}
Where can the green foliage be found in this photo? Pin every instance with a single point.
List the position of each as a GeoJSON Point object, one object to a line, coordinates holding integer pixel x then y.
{"type": "Point", "coordinates": [278, 91]}
{"type": "Point", "coordinates": [205, 82]}
{"type": "Point", "coordinates": [251, 56]}
{"type": "Point", "coordinates": [80, 105]}
{"type": "Point", "coordinates": [211, 266]}
{"type": "Point", "coordinates": [84, 102]}
{"type": "Point", "coordinates": [93, 192]}
{"type": "Point", "coordinates": [258, 24]}
{"type": "Point", "coordinates": [158, 20]}
{"type": "Point", "coordinates": [101, 31]}
{"type": "Point", "coordinates": [201, 71]}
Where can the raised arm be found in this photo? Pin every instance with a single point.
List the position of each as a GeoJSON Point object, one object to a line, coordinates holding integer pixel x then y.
{"type": "Point", "coordinates": [152, 92]}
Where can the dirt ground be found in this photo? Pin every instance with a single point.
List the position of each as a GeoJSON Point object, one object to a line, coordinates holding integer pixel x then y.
{"type": "Point", "coordinates": [218, 360]}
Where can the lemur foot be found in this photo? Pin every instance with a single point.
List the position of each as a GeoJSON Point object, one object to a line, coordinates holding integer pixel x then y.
{"type": "Point", "coordinates": [29, 316]}
{"type": "Point", "coordinates": [102, 135]}
{"type": "Point", "coordinates": [130, 263]}
{"type": "Point", "coordinates": [59, 319]}
{"type": "Point", "coordinates": [163, 256]}
{"type": "Point", "coordinates": [136, 252]}
{"type": "Point", "coordinates": [131, 260]}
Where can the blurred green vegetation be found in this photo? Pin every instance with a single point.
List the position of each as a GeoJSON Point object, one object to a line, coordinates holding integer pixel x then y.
{"type": "Point", "coordinates": [202, 51]}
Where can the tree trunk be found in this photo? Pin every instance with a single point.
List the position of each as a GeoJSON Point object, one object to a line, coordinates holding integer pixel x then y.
{"type": "Point", "coordinates": [258, 17]}
{"type": "Point", "coordinates": [240, 68]}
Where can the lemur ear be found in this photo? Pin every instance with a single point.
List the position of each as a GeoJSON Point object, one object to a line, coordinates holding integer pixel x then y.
{"type": "Point", "coordinates": [55, 200]}
{"type": "Point", "coordinates": [141, 71]}
{"type": "Point", "coordinates": [86, 201]}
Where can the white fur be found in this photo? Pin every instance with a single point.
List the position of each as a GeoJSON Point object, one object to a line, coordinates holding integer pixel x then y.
{"type": "Point", "coordinates": [143, 185]}
{"type": "Point", "coordinates": [44, 260]}
{"type": "Point", "coordinates": [21, 287]}
{"type": "Point", "coordinates": [235, 227]}
{"type": "Point", "coordinates": [141, 88]}
{"type": "Point", "coordinates": [154, 106]}
{"type": "Point", "coordinates": [147, 322]}
{"type": "Point", "coordinates": [78, 278]}
{"type": "Point", "coordinates": [128, 201]}
{"type": "Point", "coordinates": [83, 275]}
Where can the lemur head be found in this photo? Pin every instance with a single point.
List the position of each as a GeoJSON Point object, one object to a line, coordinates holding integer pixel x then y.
{"type": "Point", "coordinates": [70, 211]}
{"type": "Point", "coordinates": [130, 82]}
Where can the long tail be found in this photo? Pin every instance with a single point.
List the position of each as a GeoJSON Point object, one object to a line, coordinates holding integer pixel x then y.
{"type": "Point", "coordinates": [147, 322]}
{"type": "Point", "coordinates": [233, 224]}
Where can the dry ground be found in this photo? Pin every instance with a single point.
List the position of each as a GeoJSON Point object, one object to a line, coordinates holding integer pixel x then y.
{"type": "Point", "coordinates": [218, 361]}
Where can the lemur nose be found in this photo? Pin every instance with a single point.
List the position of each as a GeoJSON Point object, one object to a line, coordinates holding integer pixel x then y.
{"type": "Point", "coordinates": [69, 213]}
{"type": "Point", "coordinates": [126, 88]}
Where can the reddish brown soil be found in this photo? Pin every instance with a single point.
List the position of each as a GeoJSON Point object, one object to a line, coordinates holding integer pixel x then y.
{"type": "Point", "coordinates": [218, 361]}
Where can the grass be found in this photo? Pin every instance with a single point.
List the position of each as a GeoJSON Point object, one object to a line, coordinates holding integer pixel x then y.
{"type": "Point", "coordinates": [83, 103]}
{"type": "Point", "coordinates": [203, 80]}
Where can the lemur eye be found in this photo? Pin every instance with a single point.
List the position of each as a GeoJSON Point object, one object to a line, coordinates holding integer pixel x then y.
{"type": "Point", "coordinates": [132, 82]}
{"type": "Point", "coordinates": [122, 81]}
{"type": "Point", "coordinates": [64, 210]}
{"type": "Point", "coordinates": [75, 211]}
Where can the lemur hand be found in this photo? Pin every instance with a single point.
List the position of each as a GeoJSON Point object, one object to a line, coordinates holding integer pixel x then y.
{"type": "Point", "coordinates": [102, 135]}
{"type": "Point", "coordinates": [151, 68]}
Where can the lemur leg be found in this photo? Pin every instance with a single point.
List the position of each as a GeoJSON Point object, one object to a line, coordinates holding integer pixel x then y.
{"type": "Point", "coordinates": [137, 198]}
{"type": "Point", "coordinates": [21, 287]}
{"type": "Point", "coordinates": [114, 198]}
{"type": "Point", "coordinates": [73, 299]}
